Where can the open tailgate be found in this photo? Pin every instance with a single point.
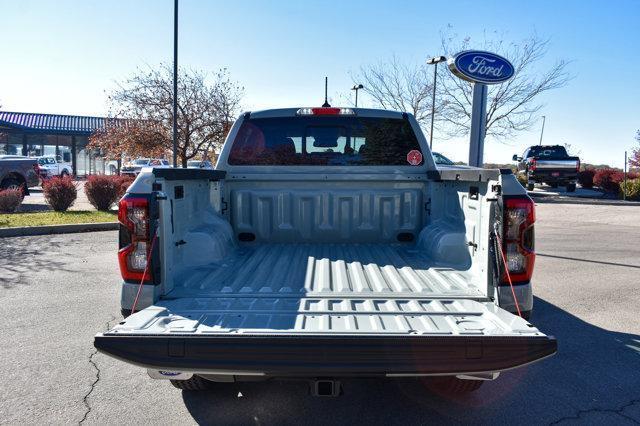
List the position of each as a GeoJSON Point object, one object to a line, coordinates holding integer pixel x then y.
{"type": "Point", "coordinates": [326, 336]}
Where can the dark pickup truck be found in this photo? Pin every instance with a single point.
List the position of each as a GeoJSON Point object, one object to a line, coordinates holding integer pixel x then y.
{"type": "Point", "coordinates": [548, 164]}
{"type": "Point", "coordinates": [18, 172]}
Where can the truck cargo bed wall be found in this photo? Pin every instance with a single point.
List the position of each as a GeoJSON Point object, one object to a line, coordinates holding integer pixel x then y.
{"type": "Point", "coordinates": [324, 211]}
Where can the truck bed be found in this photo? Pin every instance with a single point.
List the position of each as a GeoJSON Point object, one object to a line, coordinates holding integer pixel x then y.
{"type": "Point", "coordinates": [326, 309]}
{"type": "Point", "coordinates": [324, 288]}
{"type": "Point", "coordinates": [327, 270]}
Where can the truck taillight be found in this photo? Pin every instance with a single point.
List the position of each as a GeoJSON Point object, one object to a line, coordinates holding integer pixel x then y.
{"type": "Point", "coordinates": [578, 166]}
{"type": "Point", "coordinates": [133, 215]}
{"type": "Point", "coordinates": [519, 238]}
{"type": "Point", "coordinates": [532, 164]}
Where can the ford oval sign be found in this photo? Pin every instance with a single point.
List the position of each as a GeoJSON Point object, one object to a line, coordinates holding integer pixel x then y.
{"type": "Point", "coordinates": [477, 66]}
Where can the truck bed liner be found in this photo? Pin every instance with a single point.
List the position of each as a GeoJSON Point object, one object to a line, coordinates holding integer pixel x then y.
{"type": "Point", "coordinates": [313, 270]}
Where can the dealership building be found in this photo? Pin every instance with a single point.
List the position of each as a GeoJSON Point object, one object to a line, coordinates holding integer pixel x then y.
{"type": "Point", "coordinates": [65, 136]}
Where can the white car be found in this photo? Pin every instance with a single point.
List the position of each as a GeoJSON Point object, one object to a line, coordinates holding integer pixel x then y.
{"type": "Point", "coordinates": [134, 167]}
{"type": "Point", "coordinates": [53, 166]}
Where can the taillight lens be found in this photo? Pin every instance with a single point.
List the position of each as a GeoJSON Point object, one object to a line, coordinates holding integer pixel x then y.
{"type": "Point", "coordinates": [532, 164]}
{"type": "Point", "coordinates": [519, 238]}
{"type": "Point", "coordinates": [133, 215]}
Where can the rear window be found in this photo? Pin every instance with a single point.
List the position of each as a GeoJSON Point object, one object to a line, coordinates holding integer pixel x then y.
{"type": "Point", "coordinates": [548, 151]}
{"type": "Point", "coordinates": [325, 141]}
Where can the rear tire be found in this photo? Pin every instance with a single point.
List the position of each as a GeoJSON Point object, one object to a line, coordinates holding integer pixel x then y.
{"type": "Point", "coordinates": [453, 386]}
{"type": "Point", "coordinates": [530, 186]}
{"type": "Point", "coordinates": [571, 187]}
{"type": "Point", "coordinates": [195, 383]}
{"type": "Point", "coordinates": [64, 174]}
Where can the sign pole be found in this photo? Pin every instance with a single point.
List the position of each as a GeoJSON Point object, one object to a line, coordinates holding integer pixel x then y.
{"type": "Point", "coordinates": [175, 84]}
{"type": "Point", "coordinates": [544, 118]}
{"type": "Point", "coordinates": [478, 125]}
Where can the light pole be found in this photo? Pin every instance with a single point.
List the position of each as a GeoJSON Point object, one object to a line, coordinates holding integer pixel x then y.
{"type": "Point", "coordinates": [544, 118]}
{"type": "Point", "coordinates": [356, 88]}
{"type": "Point", "coordinates": [175, 83]}
{"type": "Point", "coordinates": [434, 61]}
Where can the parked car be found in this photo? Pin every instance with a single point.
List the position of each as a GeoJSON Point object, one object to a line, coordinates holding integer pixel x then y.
{"type": "Point", "coordinates": [50, 165]}
{"type": "Point", "coordinates": [17, 171]}
{"type": "Point", "coordinates": [336, 250]}
{"type": "Point", "coordinates": [442, 160]}
{"type": "Point", "coordinates": [549, 164]}
{"type": "Point", "coordinates": [198, 164]}
{"type": "Point", "coordinates": [134, 167]}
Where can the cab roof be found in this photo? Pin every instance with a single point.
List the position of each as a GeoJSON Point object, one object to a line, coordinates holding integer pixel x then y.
{"type": "Point", "coordinates": [292, 112]}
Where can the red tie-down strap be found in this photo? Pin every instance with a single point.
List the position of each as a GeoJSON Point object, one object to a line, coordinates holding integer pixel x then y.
{"type": "Point", "coordinates": [506, 270]}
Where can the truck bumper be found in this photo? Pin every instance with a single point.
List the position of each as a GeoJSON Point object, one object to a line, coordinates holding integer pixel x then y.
{"type": "Point", "coordinates": [524, 294]}
{"type": "Point", "coordinates": [328, 356]}
{"type": "Point", "coordinates": [547, 177]}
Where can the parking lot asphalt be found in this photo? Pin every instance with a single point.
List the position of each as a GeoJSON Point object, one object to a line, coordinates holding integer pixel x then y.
{"type": "Point", "coordinates": [57, 291]}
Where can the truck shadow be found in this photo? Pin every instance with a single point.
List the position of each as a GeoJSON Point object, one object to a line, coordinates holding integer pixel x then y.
{"type": "Point", "coordinates": [595, 372]}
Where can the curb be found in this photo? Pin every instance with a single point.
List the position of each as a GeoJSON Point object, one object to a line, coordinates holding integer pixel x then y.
{"type": "Point", "coordinates": [585, 201]}
{"type": "Point", "coordinates": [58, 229]}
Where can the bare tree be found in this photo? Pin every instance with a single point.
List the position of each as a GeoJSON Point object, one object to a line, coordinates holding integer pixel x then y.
{"type": "Point", "coordinates": [397, 86]}
{"type": "Point", "coordinates": [511, 107]}
{"type": "Point", "coordinates": [206, 109]}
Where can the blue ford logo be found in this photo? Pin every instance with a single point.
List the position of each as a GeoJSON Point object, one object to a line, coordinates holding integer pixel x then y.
{"type": "Point", "coordinates": [477, 66]}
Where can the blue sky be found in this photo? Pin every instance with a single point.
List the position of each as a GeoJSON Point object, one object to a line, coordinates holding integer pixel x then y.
{"type": "Point", "coordinates": [64, 56]}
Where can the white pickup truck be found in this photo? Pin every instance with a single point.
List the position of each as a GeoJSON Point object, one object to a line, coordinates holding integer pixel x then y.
{"type": "Point", "coordinates": [326, 244]}
{"type": "Point", "coordinates": [54, 166]}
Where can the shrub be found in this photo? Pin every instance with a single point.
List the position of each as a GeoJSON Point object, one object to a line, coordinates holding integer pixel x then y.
{"type": "Point", "coordinates": [60, 192]}
{"type": "Point", "coordinates": [585, 178]}
{"type": "Point", "coordinates": [102, 191]}
{"type": "Point", "coordinates": [10, 200]}
{"type": "Point", "coordinates": [631, 190]}
{"type": "Point", "coordinates": [124, 182]}
{"type": "Point", "coordinates": [608, 180]}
